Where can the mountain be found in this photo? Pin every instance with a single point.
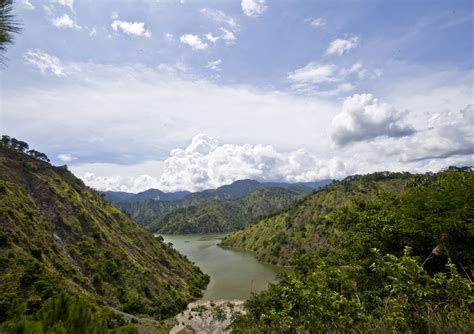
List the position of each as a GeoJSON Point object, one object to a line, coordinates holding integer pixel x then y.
{"type": "Point", "coordinates": [116, 196]}
{"type": "Point", "coordinates": [63, 247]}
{"type": "Point", "coordinates": [226, 215]}
{"type": "Point", "coordinates": [379, 253]}
{"type": "Point", "coordinates": [144, 208]}
{"type": "Point", "coordinates": [298, 229]}
{"type": "Point", "coordinates": [150, 194]}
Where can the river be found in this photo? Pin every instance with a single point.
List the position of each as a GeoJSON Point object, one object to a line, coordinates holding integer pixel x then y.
{"type": "Point", "coordinates": [234, 274]}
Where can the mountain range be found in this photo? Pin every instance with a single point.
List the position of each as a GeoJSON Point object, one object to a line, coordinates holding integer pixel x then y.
{"type": "Point", "coordinates": [226, 208]}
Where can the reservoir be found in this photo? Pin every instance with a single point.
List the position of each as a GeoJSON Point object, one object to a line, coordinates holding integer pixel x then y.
{"type": "Point", "coordinates": [234, 274]}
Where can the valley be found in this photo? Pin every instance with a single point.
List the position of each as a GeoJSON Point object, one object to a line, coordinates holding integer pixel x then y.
{"type": "Point", "coordinates": [285, 257]}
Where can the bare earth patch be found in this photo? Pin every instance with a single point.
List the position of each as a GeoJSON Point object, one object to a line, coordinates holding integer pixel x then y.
{"type": "Point", "coordinates": [210, 317]}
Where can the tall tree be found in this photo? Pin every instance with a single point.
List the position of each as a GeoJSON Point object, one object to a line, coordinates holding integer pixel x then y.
{"type": "Point", "coordinates": [8, 26]}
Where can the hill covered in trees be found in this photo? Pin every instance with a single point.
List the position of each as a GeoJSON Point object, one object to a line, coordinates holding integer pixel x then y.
{"type": "Point", "coordinates": [226, 208]}
{"type": "Point", "coordinates": [301, 227]}
{"type": "Point", "coordinates": [227, 215]}
{"type": "Point", "coordinates": [69, 259]}
{"type": "Point", "coordinates": [376, 253]}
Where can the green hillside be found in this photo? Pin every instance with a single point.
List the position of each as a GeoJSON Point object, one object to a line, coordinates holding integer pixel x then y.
{"type": "Point", "coordinates": [301, 227]}
{"type": "Point", "coordinates": [225, 216]}
{"type": "Point", "coordinates": [63, 247]}
{"type": "Point", "coordinates": [396, 261]}
{"type": "Point", "coordinates": [153, 204]}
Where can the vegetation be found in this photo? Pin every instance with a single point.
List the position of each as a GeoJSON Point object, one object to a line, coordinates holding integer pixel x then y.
{"type": "Point", "coordinates": [62, 246]}
{"type": "Point", "coordinates": [301, 228]}
{"type": "Point", "coordinates": [225, 216]}
{"type": "Point", "coordinates": [8, 26]}
{"type": "Point", "coordinates": [224, 209]}
{"type": "Point", "coordinates": [395, 261]}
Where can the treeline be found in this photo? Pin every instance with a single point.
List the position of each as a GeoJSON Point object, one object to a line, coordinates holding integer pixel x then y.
{"type": "Point", "coordinates": [394, 262]}
{"type": "Point", "coordinates": [21, 146]}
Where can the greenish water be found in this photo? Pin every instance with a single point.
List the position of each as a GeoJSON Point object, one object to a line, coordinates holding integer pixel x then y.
{"type": "Point", "coordinates": [234, 274]}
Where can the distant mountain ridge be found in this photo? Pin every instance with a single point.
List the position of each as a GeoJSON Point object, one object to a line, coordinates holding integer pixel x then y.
{"type": "Point", "coordinates": [145, 208]}
{"type": "Point", "coordinates": [226, 215]}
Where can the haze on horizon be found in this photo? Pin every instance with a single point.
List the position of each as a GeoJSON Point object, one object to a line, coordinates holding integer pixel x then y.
{"type": "Point", "coordinates": [188, 95]}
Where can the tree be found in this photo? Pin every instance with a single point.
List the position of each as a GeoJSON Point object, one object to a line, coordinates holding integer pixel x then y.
{"type": "Point", "coordinates": [8, 26]}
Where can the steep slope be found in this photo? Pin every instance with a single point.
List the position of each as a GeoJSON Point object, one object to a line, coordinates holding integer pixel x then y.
{"type": "Point", "coordinates": [225, 216]}
{"type": "Point", "coordinates": [392, 262]}
{"type": "Point", "coordinates": [58, 236]}
{"type": "Point", "coordinates": [299, 229]}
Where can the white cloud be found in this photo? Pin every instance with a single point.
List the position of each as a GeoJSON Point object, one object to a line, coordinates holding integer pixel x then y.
{"type": "Point", "coordinates": [95, 110]}
{"type": "Point", "coordinates": [316, 23]}
{"type": "Point", "coordinates": [26, 4]}
{"type": "Point", "coordinates": [314, 73]}
{"type": "Point", "coordinates": [206, 164]}
{"type": "Point", "coordinates": [254, 8]}
{"type": "Point", "coordinates": [67, 3]}
{"type": "Point", "coordinates": [214, 65]}
{"type": "Point", "coordinates": [66, 157]}
{"type": "Point", "coordinates": [114, 15]}
{"type": "Point", "coordinates": [169, 36]}
{"type": "Point", "coordinates": [194, 41]}
{"type": "Point", "coordinates": [227, 36]}
{"type": "Point", "coordinates": [340, 46]}
{"type": "Point", "coordinates": [211, 38]}
{"type": "Point", "coordinates": [92, 32]}
{"type": "Point", "coordinates": [44, 62]}
{"type": "Point", "coordinates": [131, 28]}
{"type": "Point", "coordinates": [364, 118]}
{"type": "Point", "coordinates": [220, 17]}
{"type": "Point", "coordinates": [326, 79]}
{"type": "Point", "coordinates": [64, 21]}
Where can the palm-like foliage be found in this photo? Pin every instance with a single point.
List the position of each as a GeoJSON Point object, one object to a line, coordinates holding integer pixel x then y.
{"type": "Point", "coordinates": [8, 26]}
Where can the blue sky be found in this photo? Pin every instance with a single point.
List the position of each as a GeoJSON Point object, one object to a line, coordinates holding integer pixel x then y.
{"type": "Point", "coordinates": [194, 94]}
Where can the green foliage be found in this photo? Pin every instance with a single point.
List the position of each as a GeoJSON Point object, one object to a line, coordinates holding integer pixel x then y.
{"type": "Point", "coordinates": [225, 216]}
{"type": "Point", "coordinates": [58, 236]}
{"type": "Point", "coordinates": [422, 284]}
{"type": "Point", "coordinates": [302, 227]}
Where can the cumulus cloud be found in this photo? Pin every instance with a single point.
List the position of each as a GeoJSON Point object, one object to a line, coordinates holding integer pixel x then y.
{"type": "Point", "coordinates": [316, 23]}
{"type": "Point", "coordinates": [254, 8]}
{"type": "Point", "coordinates": [64, 21]}
{"type": "Point", "coordinates": [44, 62]}
{"type": "Point", "coordinates": [340, 46]}
{"type": "Point", "coordinates": [206, 164]}
{"type": "Point", "coordinates": [194, 41]}
{"type": "Point", "coordinates": [364, 118]}
{"type": "Point", "coordinates": [214, 65]}
{"type": "Point", "coordinates": [26, 4]}
{"type": "Point", "coordinates": [131, 28]}
{"type": "Point", "coordinates": [220, 17]}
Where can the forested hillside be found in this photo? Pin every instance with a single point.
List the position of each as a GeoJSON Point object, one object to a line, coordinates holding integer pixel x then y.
{"type": "Point", "coordinates": [155, 209]}
{"type": "Point", "coordinates": [301, 227]}
{"type": "Point", "coordinates": [396, 255]}
{"type": "Point", "coordinates": [226, 216]}
{"type": "Point", "coordinates": [67, 257]}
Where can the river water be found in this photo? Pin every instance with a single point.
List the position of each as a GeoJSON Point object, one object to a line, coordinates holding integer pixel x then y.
{"type": "Point", "coordinates": [234, 274]}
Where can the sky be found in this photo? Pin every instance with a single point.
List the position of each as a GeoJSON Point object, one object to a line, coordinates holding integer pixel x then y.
{"type": "Point", "coordinates": [190, 95]}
